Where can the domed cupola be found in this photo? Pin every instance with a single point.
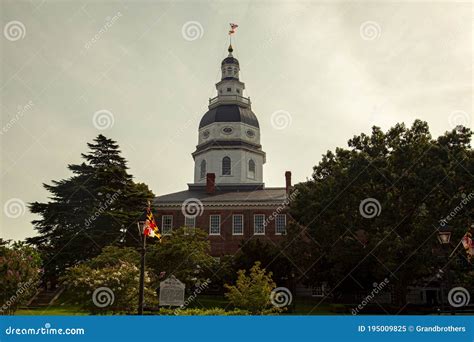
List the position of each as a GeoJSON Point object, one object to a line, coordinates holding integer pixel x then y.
{"type": "Point", "coordinates": [229, 135]}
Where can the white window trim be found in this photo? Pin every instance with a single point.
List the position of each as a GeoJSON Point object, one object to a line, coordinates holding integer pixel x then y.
{"type": "Point", "coordinates": [210, 225]}
{"type": "Point", "coordinates": [233, 231]}
{"type": "Point", "coordinates": [276, 233]}
{"type": "Point", "coordinates": [162, 224]}
{"type": "Point", "coordinates": [254, 225]}
{"type": "Point", "coordinates": [194, 221]}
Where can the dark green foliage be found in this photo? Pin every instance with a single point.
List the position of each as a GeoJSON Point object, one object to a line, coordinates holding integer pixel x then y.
{"type": "Point", "coordinates": [97, 206]}
{"type": "Point", "coordinates": [418, 182]}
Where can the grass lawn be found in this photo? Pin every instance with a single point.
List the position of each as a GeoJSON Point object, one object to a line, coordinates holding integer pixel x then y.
{"type": "Point", "coordinates": [303, 306]}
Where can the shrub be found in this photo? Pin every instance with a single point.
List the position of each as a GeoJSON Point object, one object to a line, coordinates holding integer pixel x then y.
{"type": "Point", "coordinates": [19, 275]}
{"type": "Point", "coordinates": [109, 282]}
{"type": "Point", "coordinates": [252, 293]}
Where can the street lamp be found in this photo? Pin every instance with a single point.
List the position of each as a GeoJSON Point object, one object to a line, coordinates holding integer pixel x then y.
{"type": "Point", "coordinates": [444, 236]}
{"type": "Point", "coordinates": [141, 289]}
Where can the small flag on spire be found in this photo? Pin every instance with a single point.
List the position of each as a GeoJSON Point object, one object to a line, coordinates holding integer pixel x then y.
{"type": "Point", "coordinates": [233, 27]}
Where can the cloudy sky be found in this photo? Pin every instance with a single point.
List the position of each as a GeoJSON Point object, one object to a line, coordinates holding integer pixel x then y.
{"type": "Point", "coordinates": [323, 71]}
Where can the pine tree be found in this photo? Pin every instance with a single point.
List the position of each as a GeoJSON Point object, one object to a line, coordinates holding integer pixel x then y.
{"type": "Point", "coordinates": [97, 206]}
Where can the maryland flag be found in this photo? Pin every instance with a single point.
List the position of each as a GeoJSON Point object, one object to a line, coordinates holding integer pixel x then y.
{"type": "Point", "coordinates": [468, 244]}
{"type": "Point", "coordinates": [151, 229]}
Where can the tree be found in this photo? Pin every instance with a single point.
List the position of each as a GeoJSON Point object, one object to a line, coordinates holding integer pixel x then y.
{"type": "Point", "coordinates": [97, 206]}
{"type": "Point", "coordinates": [182, 254]}
{"type": "Point", "coordinates": [109, 282]}
{"type": "Point", "coordinates": [253, 292]}
{"type": "Point", "coordinates": [374, 209]}
{"type": "Point", "coordinates": [19, 274]}
{"type": "Point", "coordinates": [267, 254]}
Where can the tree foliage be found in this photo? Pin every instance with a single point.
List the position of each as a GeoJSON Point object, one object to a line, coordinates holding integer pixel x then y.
{"type": "Point", "coordinates": [416, 180]}
{"type": "Point", "coordinates": [110, 282]}
{"type": "Point", "coordinates": [184, 254]}
{"type": "Point", "coordinates": [19, 275]}
{"type": "Point", "coordinates": [252, 292]}
{"type": "Point", "coordinates": [97, 206]}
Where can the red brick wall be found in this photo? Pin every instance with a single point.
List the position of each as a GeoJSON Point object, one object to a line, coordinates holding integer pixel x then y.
{"type": "Point", "coordinates": [226, 243]}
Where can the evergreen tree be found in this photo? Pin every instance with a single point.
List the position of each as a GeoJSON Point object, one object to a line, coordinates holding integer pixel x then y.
{"type": "Point", "coordinates": [97, 206]}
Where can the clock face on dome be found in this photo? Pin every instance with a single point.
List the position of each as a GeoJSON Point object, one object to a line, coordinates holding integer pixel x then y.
{"type": "Point", "coordinates": [227, 130]}
{"type": "Point", "coordinates": [205, 134]}
{"type": "Point", "coordinates": [250, 133]}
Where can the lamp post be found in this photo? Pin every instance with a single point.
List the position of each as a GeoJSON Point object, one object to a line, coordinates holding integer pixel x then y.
{"type": "Point", "coordinates": [141, 290]}
{"type": "Point", "coordinates": [444, 238]}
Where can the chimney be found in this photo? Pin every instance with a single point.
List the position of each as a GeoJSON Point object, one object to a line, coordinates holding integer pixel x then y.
{"type": "Point", "coordinates": [210, 183]}
{"type": "Point", "coordinates": [288, 180]}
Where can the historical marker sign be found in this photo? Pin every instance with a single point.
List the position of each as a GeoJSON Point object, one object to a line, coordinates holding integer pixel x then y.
{"type": "Point", "coordinates": [171, 292]}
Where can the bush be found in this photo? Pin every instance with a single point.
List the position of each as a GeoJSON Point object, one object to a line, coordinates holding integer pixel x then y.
{"type": "Point", "coordinates": [19, 275]}
{"type": "Point", "coordinates": [202, 312]}
{"type": "Point", "coordinates": [110, 282]}
{"type": "Point", "coordinates": [252, 293]}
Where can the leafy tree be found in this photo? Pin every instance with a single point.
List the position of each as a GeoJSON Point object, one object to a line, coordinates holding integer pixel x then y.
{"type": "Point", "coordinates": [269, 256]}
{"type": "Point", "coordinates": [182, 254]}
{"type": "Point", "coordinates": [253, 292]}
{"type": "Point", "coordinates": [19, 274]}
{"type": "Point", "coordinates": [413, 181]}
{"type": "Point", "coordinates": [110, 282]}
{"type": "Point", "coordinates": [97, 206]}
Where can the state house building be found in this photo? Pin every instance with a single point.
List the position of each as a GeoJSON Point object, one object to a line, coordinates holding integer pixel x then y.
{"type": "Point", "coordinates": [229, 197]}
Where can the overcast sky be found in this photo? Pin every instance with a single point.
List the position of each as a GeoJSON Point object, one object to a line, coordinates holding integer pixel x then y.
{"type": "Point", "coordinates": [324, 71]}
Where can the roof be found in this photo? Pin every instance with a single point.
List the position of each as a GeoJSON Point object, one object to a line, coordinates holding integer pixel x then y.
{"type": "Point", "coordinates": [229, 113]}
{"type": "Point", "coordinates": [267, 196]}
{"type": "Point", "coordinates": [230, 60]}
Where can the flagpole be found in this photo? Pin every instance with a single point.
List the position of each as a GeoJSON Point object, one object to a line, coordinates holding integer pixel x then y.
{"type": "Point", "coordinates": [141, 289]}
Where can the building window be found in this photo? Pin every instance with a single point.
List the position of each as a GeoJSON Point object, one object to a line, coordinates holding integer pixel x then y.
{"type": "Point", "coordinates": [259, 224]}
{"type": "Point", "coordinates": [238, 91]}
{"type": "Point", "coordinates": [167, 224]}
{"type": "Point", "coordinates": [317, 290]}
{"type": "Point", "coordinates": [189, 224]}
{"type": "Point", "coordinates": [251, 169]}
{"type": "Point", "coordinates": [203, 169]}
{"type": "Point", "coordinates": [226, 169]}
{"type": "Point", "coordinates": [238, 225]}
{"type": "Point", "coordinates": [190, 221]}
{"type": "Point", "coordinates": [215, 225]}
{"type": "Point", "coordinates": [229, 90]}
{"type": "Point", "coordinates": [280, 224]}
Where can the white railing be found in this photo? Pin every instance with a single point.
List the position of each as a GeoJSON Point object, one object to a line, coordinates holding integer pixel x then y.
{"type": "Point", "coordinates": [229, 99]}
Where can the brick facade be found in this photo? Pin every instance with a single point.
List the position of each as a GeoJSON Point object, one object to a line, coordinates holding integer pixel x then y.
{"type": "Point", "coordinates": [226, 242]}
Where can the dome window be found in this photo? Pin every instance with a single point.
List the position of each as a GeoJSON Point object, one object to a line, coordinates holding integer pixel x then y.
{"type": "Point", "coordinates": [251, 169]}
{"type": "Point", "coordinates": [227, 130]}
{"type": "Point", "coordinates": [250, 133]}
{"type": "Point", "coordinates": [226, 166]}
{"type": "Point", "coordinates": [203, 169]}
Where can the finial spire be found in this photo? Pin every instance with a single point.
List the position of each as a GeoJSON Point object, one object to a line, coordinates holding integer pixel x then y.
{"type": "Point", "coordinates": [230, 49]}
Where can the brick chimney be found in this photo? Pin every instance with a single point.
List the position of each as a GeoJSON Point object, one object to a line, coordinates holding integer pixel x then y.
{"type": "Point", "coordinates": [288, 180]}
{"type": "Point", "coordinates": [210, 183]}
